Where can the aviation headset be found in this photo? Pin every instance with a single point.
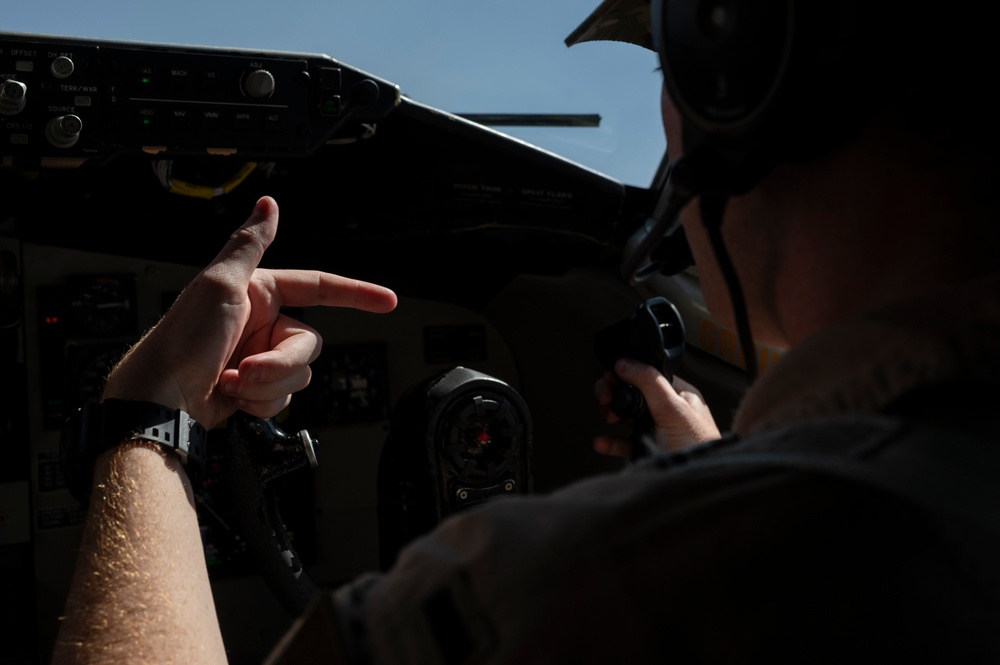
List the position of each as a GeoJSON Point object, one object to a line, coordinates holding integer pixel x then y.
{"type": "Point", "coordinates": [758, 82]}
{"type": "Point", "coordinates": [764, 81]}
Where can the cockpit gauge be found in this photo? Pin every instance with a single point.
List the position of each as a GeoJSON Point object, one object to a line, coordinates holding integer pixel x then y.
{"type": "Point", "coordinates": [101, 305]}
{"type": "Point", "coordinates": [89, 365]}
{"type": "Point", "coordinates": [477, 436]}
{"type": "Point", "coordinates": [349, 385]}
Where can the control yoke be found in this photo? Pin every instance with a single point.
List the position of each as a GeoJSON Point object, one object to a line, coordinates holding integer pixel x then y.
{"type": "Point", "coordinates": [654, 335]}
{"type": "Point", "coordinates": [258, 453]}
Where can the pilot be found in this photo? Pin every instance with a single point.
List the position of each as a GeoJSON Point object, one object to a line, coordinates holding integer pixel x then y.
{"type": "Point", "coordinates": [834, 166]}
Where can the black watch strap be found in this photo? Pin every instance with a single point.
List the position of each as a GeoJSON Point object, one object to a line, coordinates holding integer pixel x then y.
{"type": "Point", "coordinates": [97, 427]}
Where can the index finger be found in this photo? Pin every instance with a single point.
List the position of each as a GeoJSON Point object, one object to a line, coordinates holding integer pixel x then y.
{"type": "Point", "coordinates": [309, 288]}
{"type": "Point", "coordinates": [659, 393]}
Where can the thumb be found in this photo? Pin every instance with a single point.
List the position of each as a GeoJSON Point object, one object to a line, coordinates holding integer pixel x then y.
{"type": "Point", "coordinates": [245, 248]}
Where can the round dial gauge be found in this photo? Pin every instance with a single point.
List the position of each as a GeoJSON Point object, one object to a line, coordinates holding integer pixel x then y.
{"type": "Point", "coordinates": [479, 436]}
{"type": "Point", "coordinates": [104, 305]}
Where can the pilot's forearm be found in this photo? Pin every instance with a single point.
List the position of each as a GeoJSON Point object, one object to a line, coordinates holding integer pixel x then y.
{"type": "Point", "coordinates": [140, 591]}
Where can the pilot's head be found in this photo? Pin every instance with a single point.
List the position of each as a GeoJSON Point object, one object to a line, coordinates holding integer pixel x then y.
{"type": "Point", "coordinates": [787, 80]}
{"type": "Point", "coordinates": [823, 121]}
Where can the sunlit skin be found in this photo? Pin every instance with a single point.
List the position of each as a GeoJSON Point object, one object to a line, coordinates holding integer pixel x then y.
{"type": "Point", "coordinates": [140, 591]}
{"type": "Point", "coordinates": [679, 411]}
{"type": "Point", "coordinates": [822, 240]}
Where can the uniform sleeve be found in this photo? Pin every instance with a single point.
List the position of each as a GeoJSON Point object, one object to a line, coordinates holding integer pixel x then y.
{"type": "Point", "coordinates": [710, 566]}
{"type": "Point", "coordinates": [522, 580]}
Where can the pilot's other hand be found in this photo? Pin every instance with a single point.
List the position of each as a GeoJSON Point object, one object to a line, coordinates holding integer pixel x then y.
{"type": "Point", "coordinates": [680, 416]}
{"type": "Point", "coordinates": [225, 345]}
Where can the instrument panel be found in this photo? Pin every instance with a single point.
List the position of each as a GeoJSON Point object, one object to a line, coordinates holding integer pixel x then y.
{"type": "Point", "coordinates": [125, 166]}
{"type": "Point", "coordinates": [65, 100]}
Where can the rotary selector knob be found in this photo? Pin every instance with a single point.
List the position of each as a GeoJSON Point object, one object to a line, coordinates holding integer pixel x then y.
{"type": "Point", "coordinates": [12, 96]}
{"type": "Point", "coordinates": [63, 131]}
{"type": "Point", "coordinates": [259, 83]}
{"type": "Point", "coordinates": [366, 92]}
{"type": "Point", "coordinates": [62, 67]}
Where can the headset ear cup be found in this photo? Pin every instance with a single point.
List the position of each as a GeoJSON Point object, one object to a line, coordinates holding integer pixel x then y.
{"type": "Point", "coordinates": [724, 61]}
{"type": "Point", "coordinates": [778, 79]}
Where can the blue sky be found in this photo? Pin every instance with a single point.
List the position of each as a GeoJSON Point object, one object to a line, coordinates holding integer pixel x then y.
{"type": "Point", "coordinates": [478, 56]}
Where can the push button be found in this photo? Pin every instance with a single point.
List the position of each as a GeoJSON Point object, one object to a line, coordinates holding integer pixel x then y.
{"type": "Point", "coordinates": [330, 79]}
{"type": "Point", "coordinates": [211, 79]}
{"type": "Point", "coordinates": [178, 78]}
{"type": "Point", "coordinates": [211, 120]}
{"type": "Point", "coordinates": [330, 105]}
{"type": "Point", "coordinates": [180, 120]}
{"type": "Point", "coordinates": [272, 122]}
{"type": "Point", "coordinates": [144, 76]}
{"type": "Point", "coordinates": [243, 121]}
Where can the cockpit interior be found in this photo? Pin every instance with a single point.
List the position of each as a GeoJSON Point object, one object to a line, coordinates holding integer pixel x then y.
{"type": "Point", "coordinates": [126, 165]}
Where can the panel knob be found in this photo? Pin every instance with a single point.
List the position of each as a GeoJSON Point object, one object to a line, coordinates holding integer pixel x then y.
{"type": "Point", "coordinates": [259, 83]}
{"type": "Point", "coordinates": [366, 92]}
{"type": "Point", "coordinates": [62, 67]}
{"type": "Point", "coordinates": [63, 131]}
{"type": "Point", "coordinates": [12, 96]}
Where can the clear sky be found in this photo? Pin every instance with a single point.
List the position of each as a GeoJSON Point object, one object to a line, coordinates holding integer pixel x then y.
{"type": "Point", "coordinates": [463, 56]}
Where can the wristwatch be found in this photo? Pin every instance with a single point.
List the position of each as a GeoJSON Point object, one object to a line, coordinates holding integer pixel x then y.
{"type": "Point", "coordinates": [97, 427]}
